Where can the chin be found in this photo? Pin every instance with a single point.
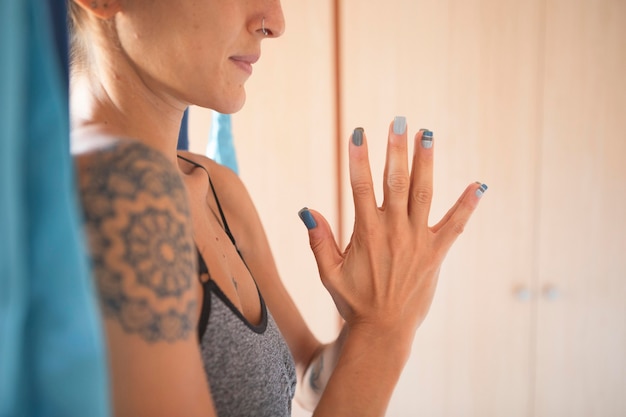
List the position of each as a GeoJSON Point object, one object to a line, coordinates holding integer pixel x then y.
{"type": "Point", "coordinates": [229, 109]}
{"type": "Point", "coordinates": [226, 105]}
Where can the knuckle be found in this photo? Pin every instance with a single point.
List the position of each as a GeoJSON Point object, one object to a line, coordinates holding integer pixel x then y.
{"type": "Point", "coordinates": [317, 245]}
{"type": "Point", "coordinates": [458, 227]}
{"type": "Point", "coordinates": [422, 195]}
{"type": "Point", "coordinates": [398, 183]}
{"type": "Point", "coordinates": [361, 188]}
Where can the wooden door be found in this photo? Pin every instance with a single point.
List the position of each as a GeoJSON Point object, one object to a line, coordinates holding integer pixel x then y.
{"type": "Point", "coordinates": [581, 320]}
{"type": "Point", "coordinates": [470, 71]}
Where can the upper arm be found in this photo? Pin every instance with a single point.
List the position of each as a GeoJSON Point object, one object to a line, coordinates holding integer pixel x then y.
{"type": "Point", "coordinates": [138, 226]}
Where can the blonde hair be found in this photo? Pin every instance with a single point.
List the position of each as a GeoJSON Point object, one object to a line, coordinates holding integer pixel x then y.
{"type": "Point", "coordinates": [75, 25]}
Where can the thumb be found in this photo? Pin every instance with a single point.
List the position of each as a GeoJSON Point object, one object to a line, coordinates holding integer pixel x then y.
{"type": "Point", "coordinates": [327, 254]}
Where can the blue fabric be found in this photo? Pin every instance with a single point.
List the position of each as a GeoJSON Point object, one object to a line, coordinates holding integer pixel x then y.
{"type": "Point", "coordinates": [52, 357]}
{"type": "Point", "coordinates": [183, 134]}
{"type": "Point", "coordinates": [58, 17]}
{"type": "Point", "coordinates": [221, 147]}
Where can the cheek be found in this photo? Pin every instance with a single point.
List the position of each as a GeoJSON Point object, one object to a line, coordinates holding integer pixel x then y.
{"type": "Point", "coordinates": [202, 73]}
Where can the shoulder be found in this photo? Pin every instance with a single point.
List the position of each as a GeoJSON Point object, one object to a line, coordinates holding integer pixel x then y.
{"type": "Point", "coordinates": [128, 166]}
{"type": "Point", "coordinates": [220, 174]}
{"type": "Point", "coordinates": [137, 222]}
{"type": "Point", "coordinates": [231, 191]}
{"type": "Point", "coordinates": [125, 176]}
{"type": "Point", "coordinates": [233, 197]}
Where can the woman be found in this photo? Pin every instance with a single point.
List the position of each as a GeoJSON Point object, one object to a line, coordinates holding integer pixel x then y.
{"type": "Point", "coordinates": [198, 322]}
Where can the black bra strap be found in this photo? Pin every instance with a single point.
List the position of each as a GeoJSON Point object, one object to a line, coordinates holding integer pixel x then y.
{"type": "Point", "coordinates": [224, 222]}
{"type": "Point", "coordinates": [217, 200]}
{"type": "Point", "coordinates": [202, 266]}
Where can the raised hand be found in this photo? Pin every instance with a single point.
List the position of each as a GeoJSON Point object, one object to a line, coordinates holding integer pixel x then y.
{"type": "Point", "coordinates": [386, 277]}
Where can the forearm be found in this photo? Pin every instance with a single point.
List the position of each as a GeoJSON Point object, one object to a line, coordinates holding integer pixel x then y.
{"type": "Point", "coordinates": [318, 372]}
{"type": "Point", "coordinates": [356, 374]}
{"type": "Point", "coordinates": [365, 374]}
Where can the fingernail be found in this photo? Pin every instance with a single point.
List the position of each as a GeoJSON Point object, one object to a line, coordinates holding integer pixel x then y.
{"type": "Point", "coordinates": [399, 125]}
{"type": "Point", "coordinates": [307, 218]}
{"type": "Point", "coordinates": [481, 190]}
{"type": "Point", "coordinates": [427, 139]}
{"type": "Point", "coordinates": [357, 136]}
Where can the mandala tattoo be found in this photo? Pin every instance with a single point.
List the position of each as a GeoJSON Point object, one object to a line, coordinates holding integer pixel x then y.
{"type": "Point", "coordinates": [153, 239]}
{"type": "Point", "coordinates": [137, 222]}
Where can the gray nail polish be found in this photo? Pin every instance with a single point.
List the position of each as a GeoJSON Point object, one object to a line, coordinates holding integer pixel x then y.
{"type": "Point", "coordinates": [399, 125]}
{"type": "Point", "coordinates": [427, 139]}
{"type": "Point", "coordinates": [357, 136]}
{"type": "Point", "coordinates": [307, 218]}
{"type": "Point", "coordinates": [481, 190]}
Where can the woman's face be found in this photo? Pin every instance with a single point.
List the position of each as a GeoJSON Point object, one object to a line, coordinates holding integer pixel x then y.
{"type": "Point", "coordinates": [197, 51]}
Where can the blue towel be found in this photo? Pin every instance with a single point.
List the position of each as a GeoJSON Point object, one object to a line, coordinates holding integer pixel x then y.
{"type": "Point", "coordinates": [52, 356]}
{"type": "Point", "coordinates": [221, 147]}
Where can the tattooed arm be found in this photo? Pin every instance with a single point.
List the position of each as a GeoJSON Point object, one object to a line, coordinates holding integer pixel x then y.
{"type": "Point", "coordinates": [319, 371]}
{"type": "Point", "coordinates": [138, 225]}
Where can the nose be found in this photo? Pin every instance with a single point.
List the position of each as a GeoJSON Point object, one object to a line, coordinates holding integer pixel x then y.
{"type": "Point", "coordinates": [272, 22]}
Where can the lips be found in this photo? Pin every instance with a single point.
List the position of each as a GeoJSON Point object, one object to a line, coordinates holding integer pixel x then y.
{"type": "Point", "coordinates": [245, 61]}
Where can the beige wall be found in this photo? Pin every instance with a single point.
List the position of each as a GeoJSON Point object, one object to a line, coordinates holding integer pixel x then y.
{"type": "Point", "coordinates": [529, 97]}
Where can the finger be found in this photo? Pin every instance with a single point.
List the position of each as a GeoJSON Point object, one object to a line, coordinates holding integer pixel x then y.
{"type": "Point", "coordinates": [452, 228]}
{"type": "Point", "coordinates": [470, 189]}
{"type": "Point", "coordinates": [421, 178]}
{"type": "Point", "coordinates": [323, 244]}
{"type": "Point", "coordinates": [361, 178]}
{"type": "Point", "coordinates": [396, 174]}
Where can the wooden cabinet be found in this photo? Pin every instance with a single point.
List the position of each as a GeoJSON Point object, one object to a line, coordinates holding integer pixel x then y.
{"type": "Point", "coordinates": [580, 356]}
{"type": "Point", "coordinates": [529, 97]}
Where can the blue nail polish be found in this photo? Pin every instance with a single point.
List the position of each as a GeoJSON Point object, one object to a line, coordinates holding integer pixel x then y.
{"type": "Point", "coordinates": [357, 136]}
{"type": "Point", "coordinates": [427, 139]}
{"type": "Point", "coordinates": [307, 218]}
{"type": "Point", "coordinates": [399, 125]}
{"type": "Point", "coordinates": [481, 190]}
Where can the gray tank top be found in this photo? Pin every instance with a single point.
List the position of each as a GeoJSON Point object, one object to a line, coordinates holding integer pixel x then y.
{"type": "Point", "coordinates": [250, 368]}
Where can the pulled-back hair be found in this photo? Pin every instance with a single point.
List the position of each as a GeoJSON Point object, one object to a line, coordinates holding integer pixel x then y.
{"type": "Point", "coordinates": [75, 25]}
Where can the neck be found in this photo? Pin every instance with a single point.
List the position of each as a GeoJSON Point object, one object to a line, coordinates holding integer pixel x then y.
{"type": "Point", "coordinates": [113, 101]}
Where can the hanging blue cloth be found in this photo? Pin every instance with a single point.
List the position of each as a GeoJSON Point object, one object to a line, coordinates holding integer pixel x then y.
{"type": "Point", "coordinates": [52, 356]}
{"type": "Point", "coordinates": [183, 133]}
{"type": "Point", "coordinates": [221, 147]}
